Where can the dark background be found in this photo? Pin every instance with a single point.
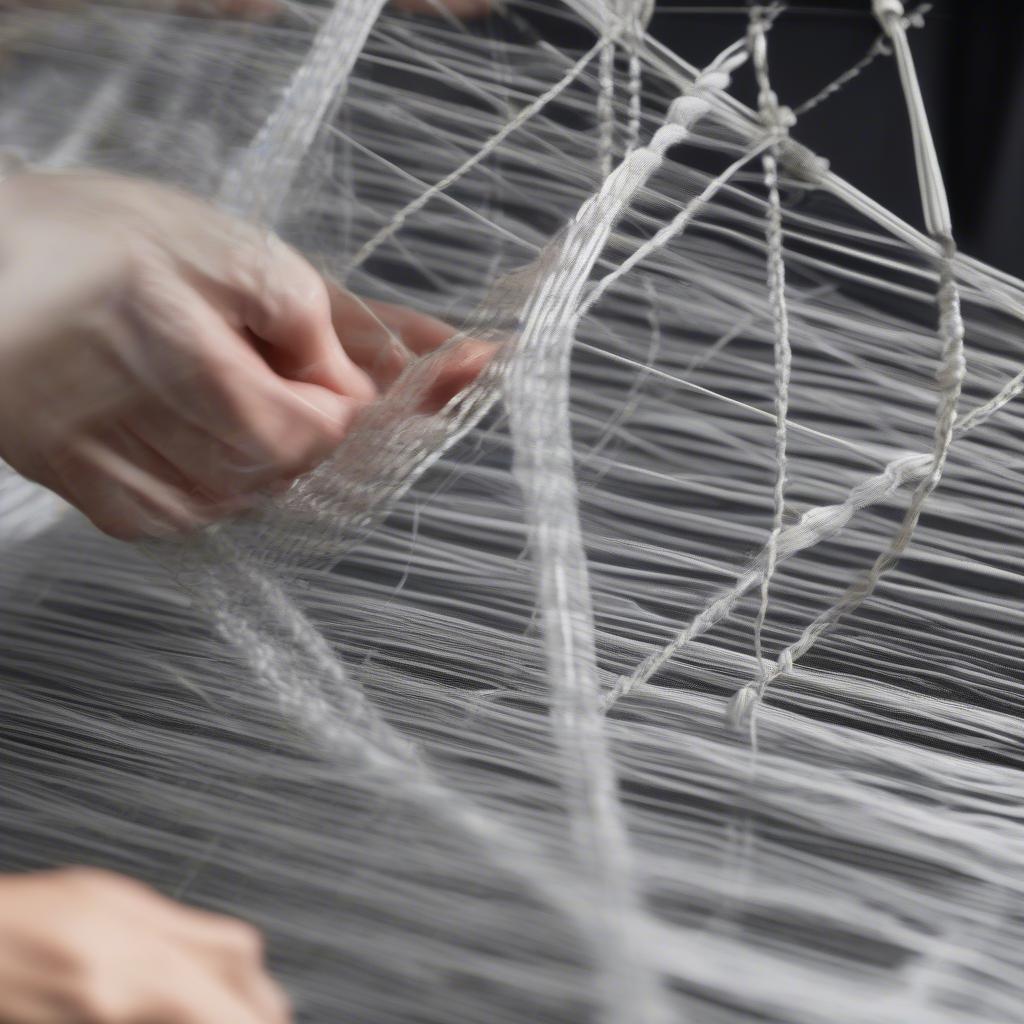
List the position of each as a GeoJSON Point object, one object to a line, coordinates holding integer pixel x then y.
{"type": "Point", "coordinates": [970, 60]}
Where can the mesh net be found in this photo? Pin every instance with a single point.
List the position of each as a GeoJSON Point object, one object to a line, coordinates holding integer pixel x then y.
{"type": "Point", "coordinates": [672, 670]}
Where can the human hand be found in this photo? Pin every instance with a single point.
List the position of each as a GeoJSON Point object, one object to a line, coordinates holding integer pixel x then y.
{"type": "Point", "coordinates": [163, 365]}
{"type": "Point", "coordinates": [81, 946]}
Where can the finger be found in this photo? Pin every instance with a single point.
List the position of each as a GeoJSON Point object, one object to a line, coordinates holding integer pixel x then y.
{"type": "Point", "coordinates": [278, 428]}
{"type": "Point", "coordinates": [202, 507]}
{"type": "Point", "coordinates": [199, 368]}
{"type": "Point", "coordinates": [381, 337]}
{"type": "Point", "coordinates": [287, 310]}
{"type": "Point", "coordinates": [228, 950]}
{"type": "Point", "coordinates": [213, 468]}
{"type": "Point", "coordinates": [364, 324]}
{"type": "Point", "coordinates": [243, 974]}
{"type": "Point", "coordinates": [127, 491]}
{"type": "Point", "coordinates": [231, 948]}
{"type": "Point", "coordinates": [100, 486]}
{"type": "Point", "coordinates": [189, 992]}
{"type": "Point", "coordinates": [234, 951]}
{"type": "Point", "coordinates": [246, 285]}
{"type": "Point", "coordinates": [369, 342]}
{"type": "Point", "coordinates": [454, 370]}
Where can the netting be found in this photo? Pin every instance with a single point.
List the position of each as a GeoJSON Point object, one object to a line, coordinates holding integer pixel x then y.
{"type": "Point", "coordinates": [671, 672]}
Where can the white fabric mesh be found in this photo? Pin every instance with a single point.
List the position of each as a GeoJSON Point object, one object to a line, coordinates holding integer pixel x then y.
{"type": "Point", "coordinates": [672, 672]}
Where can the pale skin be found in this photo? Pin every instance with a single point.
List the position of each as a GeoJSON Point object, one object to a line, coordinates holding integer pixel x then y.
{"type": "Point", "coordinates": [81, 946]}
{"type": "Point", "coordinates": [164, 366]}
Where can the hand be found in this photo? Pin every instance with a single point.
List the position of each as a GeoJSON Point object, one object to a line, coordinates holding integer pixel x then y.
{"type": "Point", "coordinates": [381, 338]}
{"type": "Point", "coordinates": [85, 947]}
{"type": "Point", "coordinates": [163, 365]}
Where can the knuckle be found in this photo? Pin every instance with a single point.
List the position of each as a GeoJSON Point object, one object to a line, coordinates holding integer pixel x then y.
{"type": "Point", "coordinates": [306, 295]}
{"type": "Point", "coordinates": [277, 436]}
{"type": "Point", "coordinates": [141, 270]}
{"type": "Point", "coordinates": [218, 391]}
{"type": "Point", "coordinates": [173, 1006]}
{"type": "Point", "coordinates": [260, 446]}
{"type": "Point", "coordinates": [298, 299]}
{"type": "Point", "coordinates": [216, 375]}
{"type": "Point", "coordinates": [275, 446]}
{"type": "Point", "coordinates": [244, 940]}
{"type": "Point", "coordinates": [77, 958]}
{"type": "Point", "coordinates": [282, 1005]}
{"type": "Point", "coordinates": [100, 1000]}
{"type": "Point", "coordinates": [116, 527]}
{"type": "Point", "coordinates": [102, 884]}
{"type": "Point", "coordinates": [221, 483]}
{"type": "Point", "coordinates": [91, 877]}
{"type": "Point", "coordinates": [305, 451]}
{"type": "Point", "coordinates": [283, 454]}
{"type": "Point", "coordinates": [304, 302]}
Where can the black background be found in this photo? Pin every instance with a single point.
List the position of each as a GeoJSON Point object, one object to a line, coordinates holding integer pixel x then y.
{"type": "Point", "coordinates": [970, 60]}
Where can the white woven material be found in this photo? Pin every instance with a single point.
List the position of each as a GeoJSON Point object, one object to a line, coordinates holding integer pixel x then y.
{"type": "Point", "coordinates": [673, 671]}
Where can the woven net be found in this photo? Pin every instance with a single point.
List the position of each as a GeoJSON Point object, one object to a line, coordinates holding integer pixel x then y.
{"type": "Point", "coordinates": [671, 672]}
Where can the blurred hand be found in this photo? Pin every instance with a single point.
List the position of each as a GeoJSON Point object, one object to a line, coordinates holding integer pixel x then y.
{"type": "Point", "coordinates": [85, 947]}
{"type": "Point", "coordinates": [163, 365]}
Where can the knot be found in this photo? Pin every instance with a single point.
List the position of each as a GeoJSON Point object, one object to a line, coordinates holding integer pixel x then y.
{"type": "Point", "coordinates": [712, 81]}
{"type": "Point", "coordinates": [643, 12]}
{"type": "Point", "coordinates": [628, 20]}
{"type": "Point", "coordinates": [915, 19]}
{"type": "Point", "coordinates": [885, 9]}
{"type": "Point", "coordinates": [804, 163]}
{"type": "Point", "coordinates": [644, 162]}
{"type": "Point", "coordinates": [686, 110]}
{"type": "Point", "coordinates": [735, 60]}
{"type": "Point", "coordinates": [620, 688]}
{"type": "Point", "coordinates": [817, 519]}
{"type": "Point", "coordinates": [785, 118]}
{"type": "Point", "coordinates": [756, 41]}
{"type": "Point", "coordinates": [949, 376]}
{"type": "Point", "coordinates": [668, 135]}
{"type": "Point", "coordinates": [768, 103]}
{"type": "Point", "coordinates": [740, 708]}
{"type": "Point", "coordinates": [776, 119]}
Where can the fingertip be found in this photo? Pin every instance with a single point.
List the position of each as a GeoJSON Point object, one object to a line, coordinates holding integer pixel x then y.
{"type": "Point", "coordinates": [456, 370]}
{"type": "Point", "coordinates": [357, 384]}
{"type": "Point", "coordinates": [420, 332]}
{"type": "Point", "coordinates": [334, 412]}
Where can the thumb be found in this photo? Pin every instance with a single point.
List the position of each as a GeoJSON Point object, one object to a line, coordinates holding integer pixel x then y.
{"type": "Point", "coordinates": [334, 413]}
{"type": "Point", "coordinates": [288, 321]}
